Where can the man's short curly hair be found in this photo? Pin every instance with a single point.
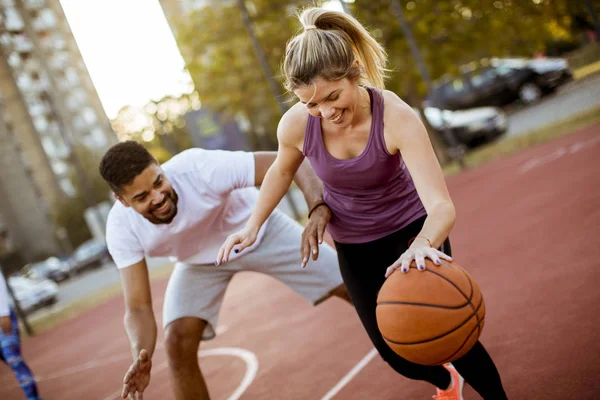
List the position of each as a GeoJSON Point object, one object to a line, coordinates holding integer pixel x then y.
{"type": "Point", "coordinates": [123, 162]}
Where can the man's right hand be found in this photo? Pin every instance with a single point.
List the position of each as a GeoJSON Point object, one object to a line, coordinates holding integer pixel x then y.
{"type": "Point", "coordinates": [137, 378]}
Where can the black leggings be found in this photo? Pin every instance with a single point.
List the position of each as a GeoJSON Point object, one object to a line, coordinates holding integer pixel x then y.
{"type": "Point", "coordinates": [363, 269]}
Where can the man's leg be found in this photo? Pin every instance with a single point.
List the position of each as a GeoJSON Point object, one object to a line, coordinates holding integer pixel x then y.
{"type": "Point", "coordinates": [190, 313]}
{"type": "Point", "coordinates": [182, 340]}
{"type": "Point", "coordinates": [278, 255]}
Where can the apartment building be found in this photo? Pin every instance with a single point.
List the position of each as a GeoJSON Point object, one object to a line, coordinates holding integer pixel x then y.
{"type": "Point", "coordinates": [48, 105]}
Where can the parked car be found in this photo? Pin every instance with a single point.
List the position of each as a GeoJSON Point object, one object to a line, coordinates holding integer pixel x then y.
{"type": "Point", "coordinates": [91, 254]}
{"type": "Point", "coordinates": [500, 82]}
{"type": "Point", "coordinates": [33, 294]}
{"type": "Point", "coordinates": [470, 127]}
{"type": "Point", "coordinates": [52, 268]}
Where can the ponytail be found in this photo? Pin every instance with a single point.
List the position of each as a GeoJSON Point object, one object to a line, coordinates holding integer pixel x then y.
{"type": "Point", "coordinates": [333, 45]}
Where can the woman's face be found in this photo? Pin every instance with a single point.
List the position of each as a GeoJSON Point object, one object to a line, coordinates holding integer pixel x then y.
{"type": "Point", "coordinates": [336, 102]}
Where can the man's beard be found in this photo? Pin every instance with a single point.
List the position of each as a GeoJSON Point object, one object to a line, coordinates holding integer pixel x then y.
{"type": "Point", "coordinates": [170, 196]}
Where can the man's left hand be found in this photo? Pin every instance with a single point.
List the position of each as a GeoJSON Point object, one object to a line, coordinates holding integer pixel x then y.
{"type": "Point", "coordinates": [313, 233]}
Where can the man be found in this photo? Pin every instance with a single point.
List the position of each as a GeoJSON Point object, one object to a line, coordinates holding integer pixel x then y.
{"type": "Point", "coordinates": [185, 209]}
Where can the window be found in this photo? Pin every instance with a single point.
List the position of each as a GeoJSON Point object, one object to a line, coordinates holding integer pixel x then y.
{"type": "Point", "coordinates": [40, 123]}
{"type": "Point", "coordinates": [49, 147]}
{"type": "Point", "coordinates": [48, 17]}
{"type": "Point", "coordinates": [483, 77]}
{"type": "Point", "coordinates": [67, 187]}
{"type": "Point", "coordinates": [89, 115]}
{"type": "Point", "coordinates": [72, 76]}
{"type": "Point", "coordinates": [99, 137]}
{"type": "Point", "coordinates": [503, 71]}
{"type": "Point", "coordinates": [454, 87]}
{"type": "Point", "coordinates": [13, 21]}
{"type": "Point", "coordinates": [60, 168]}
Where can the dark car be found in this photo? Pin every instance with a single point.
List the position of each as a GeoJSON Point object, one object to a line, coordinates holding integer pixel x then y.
{"type": "Point", "coordinates": [91, 254]}
{"type": "Point", "coordinates": [51, 268]}
{"type": "Point", "coordinates": [500, 82]}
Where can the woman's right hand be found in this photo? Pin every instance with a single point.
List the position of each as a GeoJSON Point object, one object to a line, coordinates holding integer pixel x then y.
{"type": "Point", "coordinates": [237, 242]}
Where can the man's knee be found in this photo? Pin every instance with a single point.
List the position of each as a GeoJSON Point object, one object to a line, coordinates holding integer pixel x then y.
{"type": "Point", "coordinates": [182, 339]}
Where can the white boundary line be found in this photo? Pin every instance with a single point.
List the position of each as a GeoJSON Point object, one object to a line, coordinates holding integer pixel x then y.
{"type": "Point", "coordinates": [102, 362]}
{"type": "Point", "coordinates": [247, 356]}
{"type": "Point", "coordinates": [350, 375]}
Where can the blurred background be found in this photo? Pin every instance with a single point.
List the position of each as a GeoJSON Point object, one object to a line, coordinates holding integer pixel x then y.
{"type": "Point", "coordinates": [77, 76]}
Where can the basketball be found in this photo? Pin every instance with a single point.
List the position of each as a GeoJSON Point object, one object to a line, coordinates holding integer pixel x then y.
{"type": "Point", "coordinates": [431, 317]}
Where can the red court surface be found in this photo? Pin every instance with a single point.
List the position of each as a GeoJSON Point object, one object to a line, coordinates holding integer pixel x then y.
{"type": "Point", "coordinates": [527, 230]}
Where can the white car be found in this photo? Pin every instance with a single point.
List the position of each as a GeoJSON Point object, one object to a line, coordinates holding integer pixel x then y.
{"type": "Point", "coordinates": [470, 126]}
{"type": "Point", "coordinates": [33, 294]}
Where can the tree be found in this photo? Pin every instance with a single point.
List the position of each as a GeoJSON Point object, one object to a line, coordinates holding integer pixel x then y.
{"type": "Point", "coordinates": [229, 79]}
{"type": "Point", "coordinates": [68, 212]}
{"type": "Point", "coordinates": [224, 66]}
{"type": "Point", "coordinates": [158, 124]}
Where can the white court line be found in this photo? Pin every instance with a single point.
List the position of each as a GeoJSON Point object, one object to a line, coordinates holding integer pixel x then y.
{"type": "Point", "coordinates": [87, 366]}
{"type": "Point", "coordinates": [221, 329]}
{"type": "Point", "coordinates": [558, 153]}
{"type": "Point", "coordinates": [247, 356]}
{"type": "Point", "coordinates": [103, 362]}
{"type": "Point", "coordinates": [353, 372]}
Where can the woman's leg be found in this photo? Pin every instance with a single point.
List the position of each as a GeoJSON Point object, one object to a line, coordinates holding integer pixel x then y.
{"type": "Point", "coordinates": [363, 269]}
{"type": "Point", "coordinates": [11, 349]}
{"type": "Point", "coordinates": [479, 371]}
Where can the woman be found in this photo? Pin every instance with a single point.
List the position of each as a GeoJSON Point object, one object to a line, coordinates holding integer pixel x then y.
{"type": "Point", "coordinates": [386, 191]}
{"type": "Point", "coordinates": [10, 345]}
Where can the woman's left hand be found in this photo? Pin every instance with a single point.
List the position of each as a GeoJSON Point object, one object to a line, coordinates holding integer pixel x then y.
{"type": "Point", "coordinates": [418, 254]}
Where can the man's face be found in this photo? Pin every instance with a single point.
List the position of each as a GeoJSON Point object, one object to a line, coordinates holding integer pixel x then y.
{"type": "Point", "coordinates": [151, 195]}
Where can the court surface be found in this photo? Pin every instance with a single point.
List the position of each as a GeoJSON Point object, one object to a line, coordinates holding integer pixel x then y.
{"type": "Point", "coordinates": [527, 230]}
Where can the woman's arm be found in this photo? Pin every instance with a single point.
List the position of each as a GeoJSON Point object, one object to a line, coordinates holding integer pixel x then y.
{"type": "Point", "coordinates": [276, 182]}
{"type": "Point", "coordinates": [415, 147]}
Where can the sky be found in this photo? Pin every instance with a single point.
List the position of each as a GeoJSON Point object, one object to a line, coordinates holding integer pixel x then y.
{"type": "Point", "coordinates": [129, 50]}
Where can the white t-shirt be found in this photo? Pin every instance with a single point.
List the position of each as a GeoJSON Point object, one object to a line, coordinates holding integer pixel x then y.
{"type": "Point", "coordinates": [4, 307]}
{"type": "Point", "coordinates": [216, 197]}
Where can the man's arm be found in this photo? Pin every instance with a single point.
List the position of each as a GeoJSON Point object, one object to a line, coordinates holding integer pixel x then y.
{"type": "Point", "coordinates": [306, 179]}
{"type": "Point", "coordinates": [140, 323]}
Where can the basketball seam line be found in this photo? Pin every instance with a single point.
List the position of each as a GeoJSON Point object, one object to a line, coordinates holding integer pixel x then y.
{"type": "Point", "coordinates": [408, 303]}
{"type": "Point", "coordinates": [478, 326]}
{"type": "Point", "coordinates": [468, 298]}
{"type": "Point", "coordinates": [443, 334]}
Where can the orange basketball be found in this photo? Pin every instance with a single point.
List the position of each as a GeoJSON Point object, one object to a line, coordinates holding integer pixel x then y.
{"type": "Point", "coordinates": [431, 317]}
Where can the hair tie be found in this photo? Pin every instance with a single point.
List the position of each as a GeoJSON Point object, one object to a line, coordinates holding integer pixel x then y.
{"type": "Point", "coordinates": [309, 27]}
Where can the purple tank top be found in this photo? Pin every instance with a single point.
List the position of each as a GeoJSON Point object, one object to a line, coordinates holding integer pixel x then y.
{"type": "Point", "coordinates": [370, 196]}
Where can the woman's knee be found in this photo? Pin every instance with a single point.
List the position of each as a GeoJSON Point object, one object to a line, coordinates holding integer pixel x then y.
{"type": "Point", "coordinates": [182, 339]}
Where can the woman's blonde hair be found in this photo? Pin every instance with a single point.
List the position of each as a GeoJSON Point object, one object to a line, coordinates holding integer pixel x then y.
{"type": "Point", "coordinates": [328, 47]}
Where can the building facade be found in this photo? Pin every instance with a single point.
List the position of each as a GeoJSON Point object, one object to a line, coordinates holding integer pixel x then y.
{"type": "Point", "coordinates": [48, 106]}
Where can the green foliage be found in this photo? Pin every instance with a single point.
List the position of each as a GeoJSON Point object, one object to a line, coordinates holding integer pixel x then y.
{"type": "Point", "coordinates": [159, 125]}
{"type": "Point", "coordinates": [224, 65]}
{"type": "Point", "coordinates": [229, 78]}
{"type": "Point", "coordinates": [68, 213]}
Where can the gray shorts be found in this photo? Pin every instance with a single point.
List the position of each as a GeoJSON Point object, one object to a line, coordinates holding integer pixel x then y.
{"type": "Point", "coordinates": [198, 290]}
